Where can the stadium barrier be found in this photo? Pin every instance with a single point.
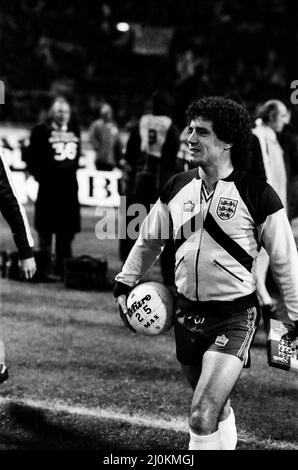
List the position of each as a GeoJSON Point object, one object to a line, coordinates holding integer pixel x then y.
{"type": "Point", "coordinates": [96, 188]}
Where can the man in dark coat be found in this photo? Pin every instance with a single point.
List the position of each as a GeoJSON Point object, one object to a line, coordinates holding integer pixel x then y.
{"type": "Point", "coordinates": [53, 159]}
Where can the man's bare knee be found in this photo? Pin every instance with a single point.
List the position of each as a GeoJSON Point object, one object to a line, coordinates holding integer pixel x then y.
{"type": "Point", "coordinates": [204, 418]}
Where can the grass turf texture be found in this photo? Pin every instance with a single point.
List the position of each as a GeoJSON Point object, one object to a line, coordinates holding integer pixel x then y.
{"type": "Point", "coordinates": [68, 348]}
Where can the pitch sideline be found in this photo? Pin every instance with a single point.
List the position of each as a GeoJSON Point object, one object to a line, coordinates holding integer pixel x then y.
{"type": "Point", "coordinates": [108, 414]}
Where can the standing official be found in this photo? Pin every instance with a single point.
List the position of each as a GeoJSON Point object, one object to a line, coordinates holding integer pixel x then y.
{"type": "Point", "coordinates": [13, 212]}
{"type": "Point", "coordinates": [53, 159]}
{"type": "Point", "coordinates": [218, 216]}
{"type": "Point", "coordinates": [105, 138]}
{"type": "Point", "coordinates": [268, 163]}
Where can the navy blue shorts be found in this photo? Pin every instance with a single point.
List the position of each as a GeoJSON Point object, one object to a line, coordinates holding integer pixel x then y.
{"type": "Point", "coordinates": [199, 328]}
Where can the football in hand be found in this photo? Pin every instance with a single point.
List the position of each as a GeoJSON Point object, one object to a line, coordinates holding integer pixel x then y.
{"type": "Point", "coordinates": [150, 308]}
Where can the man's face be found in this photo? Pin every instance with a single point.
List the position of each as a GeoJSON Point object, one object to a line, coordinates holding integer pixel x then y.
{"type": "Point", "coordinates": [280, 119]}
{"type": "Point", "coordinates": [205, 147]}
{"type": "Point", "coordinates": [61, 113]}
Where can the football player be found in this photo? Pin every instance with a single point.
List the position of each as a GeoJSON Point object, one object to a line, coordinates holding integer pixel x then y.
{"type": "Point", "coordinates": [14, 213]}
{"type": "Point", "coordinates": [218, 216]}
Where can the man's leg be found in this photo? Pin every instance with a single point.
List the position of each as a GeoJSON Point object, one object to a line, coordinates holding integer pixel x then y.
{"type": "Point", "coordinates": [44, 257]}
{"type": "Point", "coordinates": [63, 250]}
{"type": "Point", "coordinates": [192, 374]}
{"type": "Point", "coordinates": [210, 403]}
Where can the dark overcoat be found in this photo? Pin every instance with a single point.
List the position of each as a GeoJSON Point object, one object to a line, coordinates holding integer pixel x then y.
{"type": "Point", "coordinates": [53, 159]}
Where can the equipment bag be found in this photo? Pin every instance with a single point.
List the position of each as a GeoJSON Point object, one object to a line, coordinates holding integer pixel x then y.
{"type": "Point", "coordinates": [85, 272]}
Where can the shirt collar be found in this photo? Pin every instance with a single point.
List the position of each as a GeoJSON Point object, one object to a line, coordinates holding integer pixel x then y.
{"type": "Point", "coordinates": [269, 133]}
{"type": "Point", "coordinates": [57, 128]}
{"type": "Point", "coordinates": [231, 177]}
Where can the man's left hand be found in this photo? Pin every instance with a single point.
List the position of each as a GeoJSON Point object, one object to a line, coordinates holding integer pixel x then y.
{"type": "Point", "coordinates": [27, 267]}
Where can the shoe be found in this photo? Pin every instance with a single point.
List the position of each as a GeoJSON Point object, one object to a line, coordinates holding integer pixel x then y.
{"type": "Point", "coordinates": [3, 373]}
{"type": "Point", "coordinates": [41, 277]}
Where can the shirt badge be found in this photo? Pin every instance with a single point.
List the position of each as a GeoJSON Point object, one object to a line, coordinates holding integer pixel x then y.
{"type": "Point", "coordinates": [226, 208]}
{"type": "Point", "coordinates": [221, 340]}
{"type": "Point", "coordinates": [188, 206]}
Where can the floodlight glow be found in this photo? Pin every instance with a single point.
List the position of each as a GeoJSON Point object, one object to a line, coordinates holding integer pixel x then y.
{"type": "Point", "coordinates": [123, 27]}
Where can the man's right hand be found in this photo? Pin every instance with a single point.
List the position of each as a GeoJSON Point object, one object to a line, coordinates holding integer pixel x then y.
{"type": "Point", "coordinates": [122, 309]}
{"type": "Point", "coordinates": [27, 267]}
{"type": "Point", "coordinates": [121, 303]}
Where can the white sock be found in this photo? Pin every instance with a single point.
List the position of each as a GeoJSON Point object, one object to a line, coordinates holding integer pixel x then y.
{"type": "Point", "coordinates": [228, 432]}
{"type": "Point", "coordinates": [206, 442]}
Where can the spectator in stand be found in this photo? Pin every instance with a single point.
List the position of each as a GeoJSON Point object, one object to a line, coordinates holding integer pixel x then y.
{"type": "Point", "coordinates": [53, 159]}
{"type": "Point", "coordinates": [105, 137]}
{"type": "Point", "coordinates": [288, 140]}
{"type": "Point", "coordinates": [268, 162]}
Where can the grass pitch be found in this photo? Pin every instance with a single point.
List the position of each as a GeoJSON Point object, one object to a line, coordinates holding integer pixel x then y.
{"type": "Point", "coordinates": [80, 380]}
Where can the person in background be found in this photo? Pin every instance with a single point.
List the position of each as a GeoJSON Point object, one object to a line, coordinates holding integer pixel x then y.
{"type": "Point", "coordinates": [269, 164]}
{"type": "Point", "coordinates": [52, 157]}
{"type": "Point", "coordinates": [218, 215]}
{"type": "Point", "coordinates": [187, 83]}
{"type": "Point", "coordinates": [151, 156]}
{"type": "Point", "coordinates": [288, 140]}
{"type": "Point", "coordinates": [105, 138]}
{"type": "Point", "coordinates": [14, 213]}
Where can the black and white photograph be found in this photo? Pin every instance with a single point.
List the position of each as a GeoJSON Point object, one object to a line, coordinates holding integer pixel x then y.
{"type": "Point", "coordinates": [148, 232]}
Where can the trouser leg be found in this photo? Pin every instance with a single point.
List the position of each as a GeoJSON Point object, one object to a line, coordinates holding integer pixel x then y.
{"type": "Point", "coordinates": [44, 255]}
{"type": "Point", "coordinates": [63, 250]}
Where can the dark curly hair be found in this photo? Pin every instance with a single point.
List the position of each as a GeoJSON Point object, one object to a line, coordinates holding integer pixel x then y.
{"type": "Point", "coordinates": [231, 124]}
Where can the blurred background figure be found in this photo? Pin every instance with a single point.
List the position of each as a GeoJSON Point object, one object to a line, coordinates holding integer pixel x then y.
{"type": "Point", "coordinates": [288, 140]}
{"type": "Point", "coordinates": [53, 158]}
{"type": "Point", "coordinates": [268, 156]}
{"type": "Point", "coordinates": [151, 155]}
{"type": "Point", "coordinates": [268, 162]}
{"type": "Point", "coordinates": [105, 138]}
{"type": "Point", "coordinates": [187, 84]}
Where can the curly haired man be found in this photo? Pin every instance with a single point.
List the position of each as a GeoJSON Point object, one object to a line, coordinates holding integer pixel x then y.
{"type": "Point", "coordinates": [218, 216]}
